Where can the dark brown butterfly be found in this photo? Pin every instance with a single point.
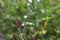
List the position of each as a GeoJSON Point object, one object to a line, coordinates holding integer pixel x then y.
{"type": "Point", "coordinates": [19, 24]}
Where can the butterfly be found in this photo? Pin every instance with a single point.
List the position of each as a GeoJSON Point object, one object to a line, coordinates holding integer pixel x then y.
{"type": "Point", "coordinates": [19, 24]}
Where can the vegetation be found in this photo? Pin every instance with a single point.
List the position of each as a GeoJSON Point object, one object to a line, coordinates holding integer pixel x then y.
{"type": "Point", "coordinates": [41, 19]}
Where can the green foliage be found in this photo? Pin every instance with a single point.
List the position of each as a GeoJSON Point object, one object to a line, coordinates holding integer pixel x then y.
{"type": "Point", "coordinates": [43, 15]}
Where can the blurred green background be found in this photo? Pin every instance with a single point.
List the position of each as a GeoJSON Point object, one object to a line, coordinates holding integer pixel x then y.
{"type": "Point", "coordinates": [41, 18]}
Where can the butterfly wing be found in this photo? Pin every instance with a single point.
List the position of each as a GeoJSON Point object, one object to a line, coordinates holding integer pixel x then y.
{"type": "Point", "coordinates": [19, 24]}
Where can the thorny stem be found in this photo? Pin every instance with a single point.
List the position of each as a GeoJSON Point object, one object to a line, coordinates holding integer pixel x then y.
{"type": "Point", "coordinates": [19, 35]}
{"type": "Point", "coordinates": [22, 36]}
